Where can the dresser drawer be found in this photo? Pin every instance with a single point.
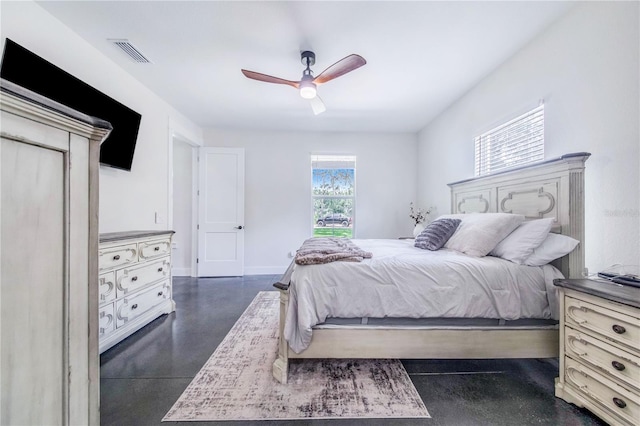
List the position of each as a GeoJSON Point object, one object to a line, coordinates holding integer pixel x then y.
{"type": "Point", "coordinates": [106, 320]}
{"type": "Point", "coordinates": [132, 307]}
{"type": "Point", "coordinates": [112, 257]}
{"type": "Point", "coordinates": [615, 362]}
{"type": "Point", "coordinates": [156, 248]}
{"type": "Point", "coordinates": [138, 276]}
{"type": "Point", "coordinates": [602, 391]}
{"type": "Point", "coordinates": [107, 287]}
{"type": "Point", "coordinates": [613, 325]}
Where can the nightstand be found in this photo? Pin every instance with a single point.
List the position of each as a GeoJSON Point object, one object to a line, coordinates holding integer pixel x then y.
{"type": "Point", "coordinates": [600, 348]}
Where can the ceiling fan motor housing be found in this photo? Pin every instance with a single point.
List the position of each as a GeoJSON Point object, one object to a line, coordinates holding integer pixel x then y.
{"type": "Point", "coordinates": [308, 58]}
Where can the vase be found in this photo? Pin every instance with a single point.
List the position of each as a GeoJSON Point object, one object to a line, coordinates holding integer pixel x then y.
{"type": "Point", "coordinates": [418, 229]}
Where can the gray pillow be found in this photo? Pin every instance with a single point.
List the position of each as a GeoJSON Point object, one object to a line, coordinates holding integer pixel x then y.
{"type": "Point", "coordinates": [436, 234]}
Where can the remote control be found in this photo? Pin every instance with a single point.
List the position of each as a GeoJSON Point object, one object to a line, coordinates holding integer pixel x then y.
{"type": "Point", "coordinates": [628, 279]}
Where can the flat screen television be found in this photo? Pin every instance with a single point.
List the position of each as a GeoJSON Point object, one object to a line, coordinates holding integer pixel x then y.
{"type": "Point", "coordinates": [32, 72]}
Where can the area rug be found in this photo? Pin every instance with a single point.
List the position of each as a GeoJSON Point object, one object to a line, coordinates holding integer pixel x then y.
{"type": "Point", "coordinates": [236, 382]}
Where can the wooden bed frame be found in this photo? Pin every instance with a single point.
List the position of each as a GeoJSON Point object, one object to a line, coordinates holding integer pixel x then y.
{"type": "Point", "coordinates": [553, 188]}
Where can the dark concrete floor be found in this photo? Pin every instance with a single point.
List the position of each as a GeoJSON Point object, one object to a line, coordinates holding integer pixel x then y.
{"type": "Point", "coordinates": [144, 375]}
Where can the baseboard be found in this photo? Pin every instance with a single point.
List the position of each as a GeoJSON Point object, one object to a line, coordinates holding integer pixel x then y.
{"type": "Point", "coordinates": [265, 270]}
{"type": "Point", "coordinates": [180, 272]}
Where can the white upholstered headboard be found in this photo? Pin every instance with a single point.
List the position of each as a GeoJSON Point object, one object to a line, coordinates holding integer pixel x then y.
{"type": "Point", "coordinates": [552, 188]}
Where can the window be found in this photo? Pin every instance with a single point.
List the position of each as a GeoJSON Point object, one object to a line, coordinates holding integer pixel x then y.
{"type": "Point", "coordinates": [518, 142]}
{"type": "Point", "coordinates": [333, 190]}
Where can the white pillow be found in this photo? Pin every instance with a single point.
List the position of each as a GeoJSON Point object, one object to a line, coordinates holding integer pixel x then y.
{"type": "Point", "coordinates": [519, 245]}
{"type": "Point", "coordinates": [553, 247]}
{"type": "Point", "coordinates": [479, 233]}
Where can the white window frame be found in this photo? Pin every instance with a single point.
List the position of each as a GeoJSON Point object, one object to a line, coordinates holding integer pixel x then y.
{"type": "Point", "coordinates": [515, 143]}
{"type": "Point", "coordinates": [337, 158]}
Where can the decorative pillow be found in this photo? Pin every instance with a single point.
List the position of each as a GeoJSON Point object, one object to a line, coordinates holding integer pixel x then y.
{"type": "Point", "coordinates": [519, 244]}
{"type": "Point", "coordinates": [436, 234]}
{"type": "Point", "coordinates": [479, 233]}
{"type": "Point", "coordinates": [552, 248]}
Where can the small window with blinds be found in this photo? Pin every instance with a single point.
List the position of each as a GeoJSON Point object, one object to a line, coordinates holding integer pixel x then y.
{"type": "Point", "coordinates": [333, 190]}
{"type": "Point", "coordinates": [518, 142]}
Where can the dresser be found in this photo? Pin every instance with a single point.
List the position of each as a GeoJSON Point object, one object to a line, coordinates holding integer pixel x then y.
{"type": "Point", "coordinates": [134, 285]}
{"type": "Point", "coordinates": [50, 370]}
{"type": "Point", "coordinates": [600, 348]}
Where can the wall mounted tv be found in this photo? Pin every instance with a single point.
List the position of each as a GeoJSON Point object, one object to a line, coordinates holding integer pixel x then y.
{"type": "Point", "coordinates": [30, 71]}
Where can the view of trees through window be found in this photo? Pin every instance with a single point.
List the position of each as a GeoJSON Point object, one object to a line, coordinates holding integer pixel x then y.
{"type": "Point", "coordinates": [333, 192]}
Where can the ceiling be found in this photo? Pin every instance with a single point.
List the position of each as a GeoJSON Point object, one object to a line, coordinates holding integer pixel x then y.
{"type": "Point", "coordinates": [421, 56]}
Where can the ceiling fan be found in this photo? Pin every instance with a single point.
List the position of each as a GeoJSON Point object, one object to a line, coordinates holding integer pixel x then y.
{"type": "Point", "coordinates": [308, 84]}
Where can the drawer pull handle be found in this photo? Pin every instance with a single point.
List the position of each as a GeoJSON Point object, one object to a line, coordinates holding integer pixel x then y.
{"type": "Point", "coordinates": [618, 329]}
{"type": "Point", "coordinates": [135, 306]}
{"type": "Point", "coordinates": [159, 269]}
{"type": "Point", "coordinates": [160, 293]}
{"type": "Point", "coordinates": [619, 403]}
{"type": "Point", "coordinates": [134, 278]}
{"type": "Point", "coordinates": [116, 257]}
{"type": "Point", "coordinates": [156, 249]}
{"type": "Point", "coordinates": [618, 365]}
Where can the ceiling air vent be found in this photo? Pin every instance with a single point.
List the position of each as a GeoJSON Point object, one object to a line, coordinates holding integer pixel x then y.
{"type": "Point", "coordinates": [130, 50]}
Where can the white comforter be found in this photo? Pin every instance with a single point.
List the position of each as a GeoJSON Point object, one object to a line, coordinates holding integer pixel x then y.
{"type": "Point", "coordinates": [403, 281]}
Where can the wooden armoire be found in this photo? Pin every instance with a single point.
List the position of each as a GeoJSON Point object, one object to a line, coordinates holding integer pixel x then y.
{"type": "Point", "coordinates": [50, 371]}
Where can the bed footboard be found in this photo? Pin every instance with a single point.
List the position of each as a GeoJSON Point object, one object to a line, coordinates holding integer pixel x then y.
{"type": "Point", "coordinates": [422, 343]}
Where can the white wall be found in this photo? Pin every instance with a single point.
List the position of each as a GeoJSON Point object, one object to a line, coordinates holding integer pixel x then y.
{"type": "Point", "coordinates": [586, 68]}
{"type": "Point", "coordinates": [278, 208]}
{"type": "Point", "coordinates": [128, 200]}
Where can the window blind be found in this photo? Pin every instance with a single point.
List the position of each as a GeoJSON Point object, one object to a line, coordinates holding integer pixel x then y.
{"type": "Point", "coordinates": [517, 142]}
{"type": "Point", "coordinates": [333, 161]}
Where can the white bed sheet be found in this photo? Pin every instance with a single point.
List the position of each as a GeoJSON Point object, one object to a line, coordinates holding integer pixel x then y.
{"type": "Point", "coordinates": [403, 281]}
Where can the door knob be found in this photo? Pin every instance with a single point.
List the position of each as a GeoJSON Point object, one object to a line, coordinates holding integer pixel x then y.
{"type": "Point", "coordinates": [239, 227]}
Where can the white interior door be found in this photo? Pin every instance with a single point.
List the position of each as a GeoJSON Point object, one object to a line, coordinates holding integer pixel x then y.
{"type": "Point", "coordinates": [221, 212]}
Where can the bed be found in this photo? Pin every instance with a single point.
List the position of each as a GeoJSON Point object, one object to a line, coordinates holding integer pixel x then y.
{"type": "Point", "coordinates": [521, 326]}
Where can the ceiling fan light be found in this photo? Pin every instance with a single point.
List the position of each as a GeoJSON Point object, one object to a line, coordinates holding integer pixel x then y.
{"type": "Point", "coordinates": [307, 89]}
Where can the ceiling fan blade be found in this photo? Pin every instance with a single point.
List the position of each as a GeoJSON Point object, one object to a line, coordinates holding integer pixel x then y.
{"type": "Point", "coordinates": [341, 67]}
{"type": "Point", "coordinates": [269, 79]}
{"type": "Point", "coordinates": [317, 105]}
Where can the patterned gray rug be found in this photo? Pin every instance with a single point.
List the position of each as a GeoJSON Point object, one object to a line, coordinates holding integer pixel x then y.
{"type": "Point", "coordinates": [236, 382]}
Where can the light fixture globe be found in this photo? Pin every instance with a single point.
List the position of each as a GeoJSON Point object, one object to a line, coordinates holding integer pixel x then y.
{"type": "Point", "coordinates": [307, 87]}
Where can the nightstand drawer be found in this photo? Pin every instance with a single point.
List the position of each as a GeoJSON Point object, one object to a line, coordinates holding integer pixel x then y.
{"type": "Point", "coordinates": [613, 325]}
{"type": "Point", "coordinates": [614, 362]}
{"type": "Point", "coordinates": [608, 395]}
